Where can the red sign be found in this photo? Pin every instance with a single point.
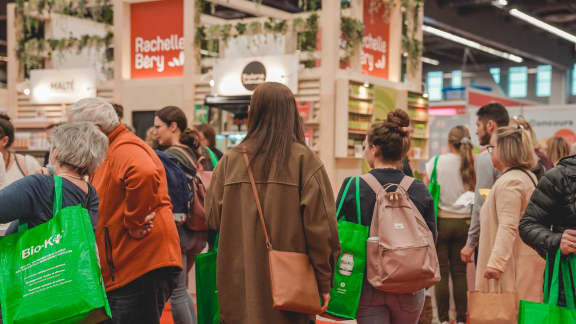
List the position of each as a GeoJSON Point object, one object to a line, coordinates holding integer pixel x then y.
{"type": "Point", "coordinates": [157, 39]}
{"type": "Point", "coordinates": [375, 49]}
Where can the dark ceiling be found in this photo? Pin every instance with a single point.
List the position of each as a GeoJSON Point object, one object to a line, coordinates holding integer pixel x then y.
{"type": "Point", "coordinates": [482, 21]}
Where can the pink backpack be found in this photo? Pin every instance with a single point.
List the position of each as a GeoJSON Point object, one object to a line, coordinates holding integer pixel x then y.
{"type": "Point", "coordinates": [400, 250]}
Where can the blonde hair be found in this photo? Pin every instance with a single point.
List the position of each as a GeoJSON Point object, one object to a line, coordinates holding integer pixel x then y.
{"type": "Point", "coordinates": [459, 137]}
{"type": "Point", "coordinates": [521, 121]}
{"type": "Point", "coordinates": [557, 149]}
{"type": "Point", "coordinates": [515, 148]}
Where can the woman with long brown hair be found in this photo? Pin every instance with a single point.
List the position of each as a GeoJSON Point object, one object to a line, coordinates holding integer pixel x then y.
{"type": "Point", "coordinates": [455, 175]}
{"type": "Point", "coordinates": [297, 203]}
{"type": "Point", "coordinates": [557, 149]}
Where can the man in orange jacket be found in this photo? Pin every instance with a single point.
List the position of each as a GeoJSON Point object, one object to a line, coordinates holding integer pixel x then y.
{"type": "Point", "coordinates": [136, 233]}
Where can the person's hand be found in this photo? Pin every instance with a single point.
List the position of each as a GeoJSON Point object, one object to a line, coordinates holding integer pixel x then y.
{"type": "Point", "coordinates": [466, 254]}
{"type": "Point", "coordinates": [325, 301]}
{"type": "Point", "coordinates": [145, 229]}
{"type": "Point", "coordinates": [491, 273]}
{"type": "Point", "coordinates": [568, 242]}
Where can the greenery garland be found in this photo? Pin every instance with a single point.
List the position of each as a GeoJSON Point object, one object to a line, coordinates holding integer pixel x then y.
{"type": "Point", "coordinates": [33, 48]}
{"type": "Point", "coordinates": [353, 31]}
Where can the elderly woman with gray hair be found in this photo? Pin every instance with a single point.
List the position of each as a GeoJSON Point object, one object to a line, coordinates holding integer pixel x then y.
{"type": "Point", "coordinates": [136, 233]}
{"type": "Point", "coordinates": [77, 150]}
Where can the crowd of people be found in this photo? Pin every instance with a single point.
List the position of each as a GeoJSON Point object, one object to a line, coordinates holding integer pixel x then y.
{"type": "Point", "coordinates": [504, 208]}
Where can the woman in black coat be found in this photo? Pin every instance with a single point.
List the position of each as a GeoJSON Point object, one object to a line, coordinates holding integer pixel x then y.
{"type": "Point", "coordinates": [549, 222]}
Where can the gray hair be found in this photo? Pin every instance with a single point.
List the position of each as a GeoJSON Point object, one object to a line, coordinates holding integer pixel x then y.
{"type": "Point", "coordinates": [80, 146]}
{"type": "Point", "coordinates": [94, 110]}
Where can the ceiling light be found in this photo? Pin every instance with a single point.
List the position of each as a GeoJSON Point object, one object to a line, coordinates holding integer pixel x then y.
{"type": "Point", "coordinates": [430, 61]}
{"type": "Point", "coordinates": [540, 24]}
{"type": "Point", "coordinates": [27, 92]}
{"type": "Point", "coordinates": [500, 3]}
{"type": "Point", "coordinates": [472, 44]}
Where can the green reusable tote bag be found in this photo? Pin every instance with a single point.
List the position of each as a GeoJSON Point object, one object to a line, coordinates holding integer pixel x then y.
{"type": "Point", "coordinates": [206, 286]}
{"type": "Point", "coordinates": [213, 157]}
{"type": "Point", "coordinates": [50, 273]}
{"type": "Point", "coordinates": [549, 312]}
{"type": "Point", "coordinates": [434, 187]}
{"type": "Point", "coordinates": [349, 274]}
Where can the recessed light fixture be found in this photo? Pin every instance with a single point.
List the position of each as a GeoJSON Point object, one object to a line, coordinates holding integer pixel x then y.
{"type": "Point", "coordinates": [545, 26]}
{"type": "Point", "coordinates": [212, 83]}
{"type": "Point", "coordinates": [27, 92]}
{"type": "Point", "coordinates": [366, 84]}
{"type": "Point", "coordinates": [472, 44]}
{"type": "Point", "coordinates": [430, 61]}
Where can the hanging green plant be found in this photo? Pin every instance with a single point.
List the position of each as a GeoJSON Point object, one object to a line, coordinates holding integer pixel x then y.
{"type": "Point", "coordinates": [213, 31]}
{"type": "Point", "coordinates": [307, 39]}
{"type": "Point", "coordinates": [255, 27]}
{"type": "Point", "coordinates": [240, 29]}
{"type": "Point", "coordinates": [298, 24]}
{"type": "Point", "coordinates": [276, 26]}
{"type": "Point", "coordinates": [225, 32]}
{"type": "Point", "coordinates": [353, 31]}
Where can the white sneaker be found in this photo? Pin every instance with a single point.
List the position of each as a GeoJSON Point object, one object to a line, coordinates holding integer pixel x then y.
{"type": "Point", "coordinates": [445, 322]}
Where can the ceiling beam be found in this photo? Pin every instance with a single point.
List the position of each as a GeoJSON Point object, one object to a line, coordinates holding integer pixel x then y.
{"type": "Point", "coordinates": [494, 29]}
{"type": "Point", "coordinates": [253, 8]}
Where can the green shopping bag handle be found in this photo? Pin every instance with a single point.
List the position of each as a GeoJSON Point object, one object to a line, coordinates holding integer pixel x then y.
{"type": "Point", "coordinates": [434, 176]}
{"type": "Point", "coordinates": [345, 193]}
{"type": "Point", "coordinates": [213, 157]}
{"type": "Point", "coordinates": [552, 291]}
{"type": "Point", "coordinates": [56, 206]}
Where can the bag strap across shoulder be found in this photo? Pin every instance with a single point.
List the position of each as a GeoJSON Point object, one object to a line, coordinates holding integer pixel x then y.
{"type": "Point", "coordinates": [21, 164]}
{"type": "Point", "coordinates": [372, 182]}
{"type": "Point", "coordinates": [257, 198]}
{"type": "Point", "coordinates": [186, 155]}
{"type": "Point", "coordinates": [406, 183]}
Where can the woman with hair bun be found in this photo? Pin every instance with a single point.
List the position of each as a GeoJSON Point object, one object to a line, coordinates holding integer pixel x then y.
{"type": "Point", "coordinates": [386, 144]}
{"type": "Point", "coordinates": [456, 176]}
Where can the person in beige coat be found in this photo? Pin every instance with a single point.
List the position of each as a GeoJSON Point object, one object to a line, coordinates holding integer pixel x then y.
{"type": "Point", "coordinates": [298, 207]}
{"type": "Point", "coordinates": [505, 262]}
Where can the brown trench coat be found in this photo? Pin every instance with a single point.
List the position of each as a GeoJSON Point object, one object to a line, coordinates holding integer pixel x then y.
{"type": "Point", "coordinates": [300, 215]}
{"type": "Point", "coordinates": [500, 245]}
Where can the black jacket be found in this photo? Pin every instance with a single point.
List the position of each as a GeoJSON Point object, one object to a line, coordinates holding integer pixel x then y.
{"type": "Point", "coordinates": [552, 208]}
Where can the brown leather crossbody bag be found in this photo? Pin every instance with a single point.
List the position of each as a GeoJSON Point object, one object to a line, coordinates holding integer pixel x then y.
{"type": "Point", "coordinates": [292, 278]}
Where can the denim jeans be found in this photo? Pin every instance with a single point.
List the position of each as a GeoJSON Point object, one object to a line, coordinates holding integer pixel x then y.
{"type": "Point", "coordinates": [183, 311]}
{"type": "Point", "coordinates": [142, 300]}
{"type": "Point", "coordinates": [378, 307]}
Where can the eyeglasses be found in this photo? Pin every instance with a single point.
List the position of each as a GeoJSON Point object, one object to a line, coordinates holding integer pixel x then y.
{"type": "Point", "coordinates": [490, 148]}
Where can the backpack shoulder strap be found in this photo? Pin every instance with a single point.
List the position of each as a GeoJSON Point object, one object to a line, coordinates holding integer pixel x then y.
{"type": "Point", "coordinates": [372, 182]}
{"type": "Point", "coordinates": [21, 164]}
{"type": "Point", "coordinates": [186, 155]}
{"type": "Point", "coordinates": [406, 183]}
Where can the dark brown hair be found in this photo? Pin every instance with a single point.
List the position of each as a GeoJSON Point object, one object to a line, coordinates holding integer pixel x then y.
{"type": "Point", "coordinates": [459, 137]}
{"type": "Point", "coordinates": [493, 111]}
{"type": "Point", "coordinates": [209, 134]}
{"type": "Point", "coordinates": [119, 109]}
{"type": "Point", "coordinates": [273, 124]}
{"type": "Point", "coordinates": [173, 114]}
{"type": "Point", "coordinates": [391, 136]}
{"type": "Point", "coordinates": [6, 129]}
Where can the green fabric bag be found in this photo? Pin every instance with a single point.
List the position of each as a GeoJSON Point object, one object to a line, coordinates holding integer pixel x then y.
{"type": "Point", "coordinates": [207, 287]}
{"type": "Point", "coordinates": [213, 157]}
{"type": "Point", "coordinates": [50, 273]}
{"type": "Point", "coordinates": [349, 274]}
{"type": "Point", "coordinates": [434, 187]}
{"type": "Point", "coordinates": [549, 312]}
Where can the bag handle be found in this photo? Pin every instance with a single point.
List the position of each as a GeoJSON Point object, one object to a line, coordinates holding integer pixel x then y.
{"type": "Point", "coordinates": [212, 157]}
{"type": "Point", "coordinates": [551, 295]}
{"type": "Point", "coordinates": [345, 193]}
{"type": "Point", "coordinates": [434, 175]}
{"type": "Point", "coordinates": [257, 198]}
{"type": "Point", "coordinates": [56, 205]}
{"type": "Point", "coordinates": [186, 155]}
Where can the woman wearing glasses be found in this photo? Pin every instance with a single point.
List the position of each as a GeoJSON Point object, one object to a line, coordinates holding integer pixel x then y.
{"type": "Point", "coordinates": [505, 263]}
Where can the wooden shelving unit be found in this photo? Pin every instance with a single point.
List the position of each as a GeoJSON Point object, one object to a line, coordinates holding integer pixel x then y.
{"type": "Point", "coordinates": [418, 111]}
{"type": "Point", "coordinates": [31, 137]}
{"type": "Point", "coordinates": [354, 116]}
